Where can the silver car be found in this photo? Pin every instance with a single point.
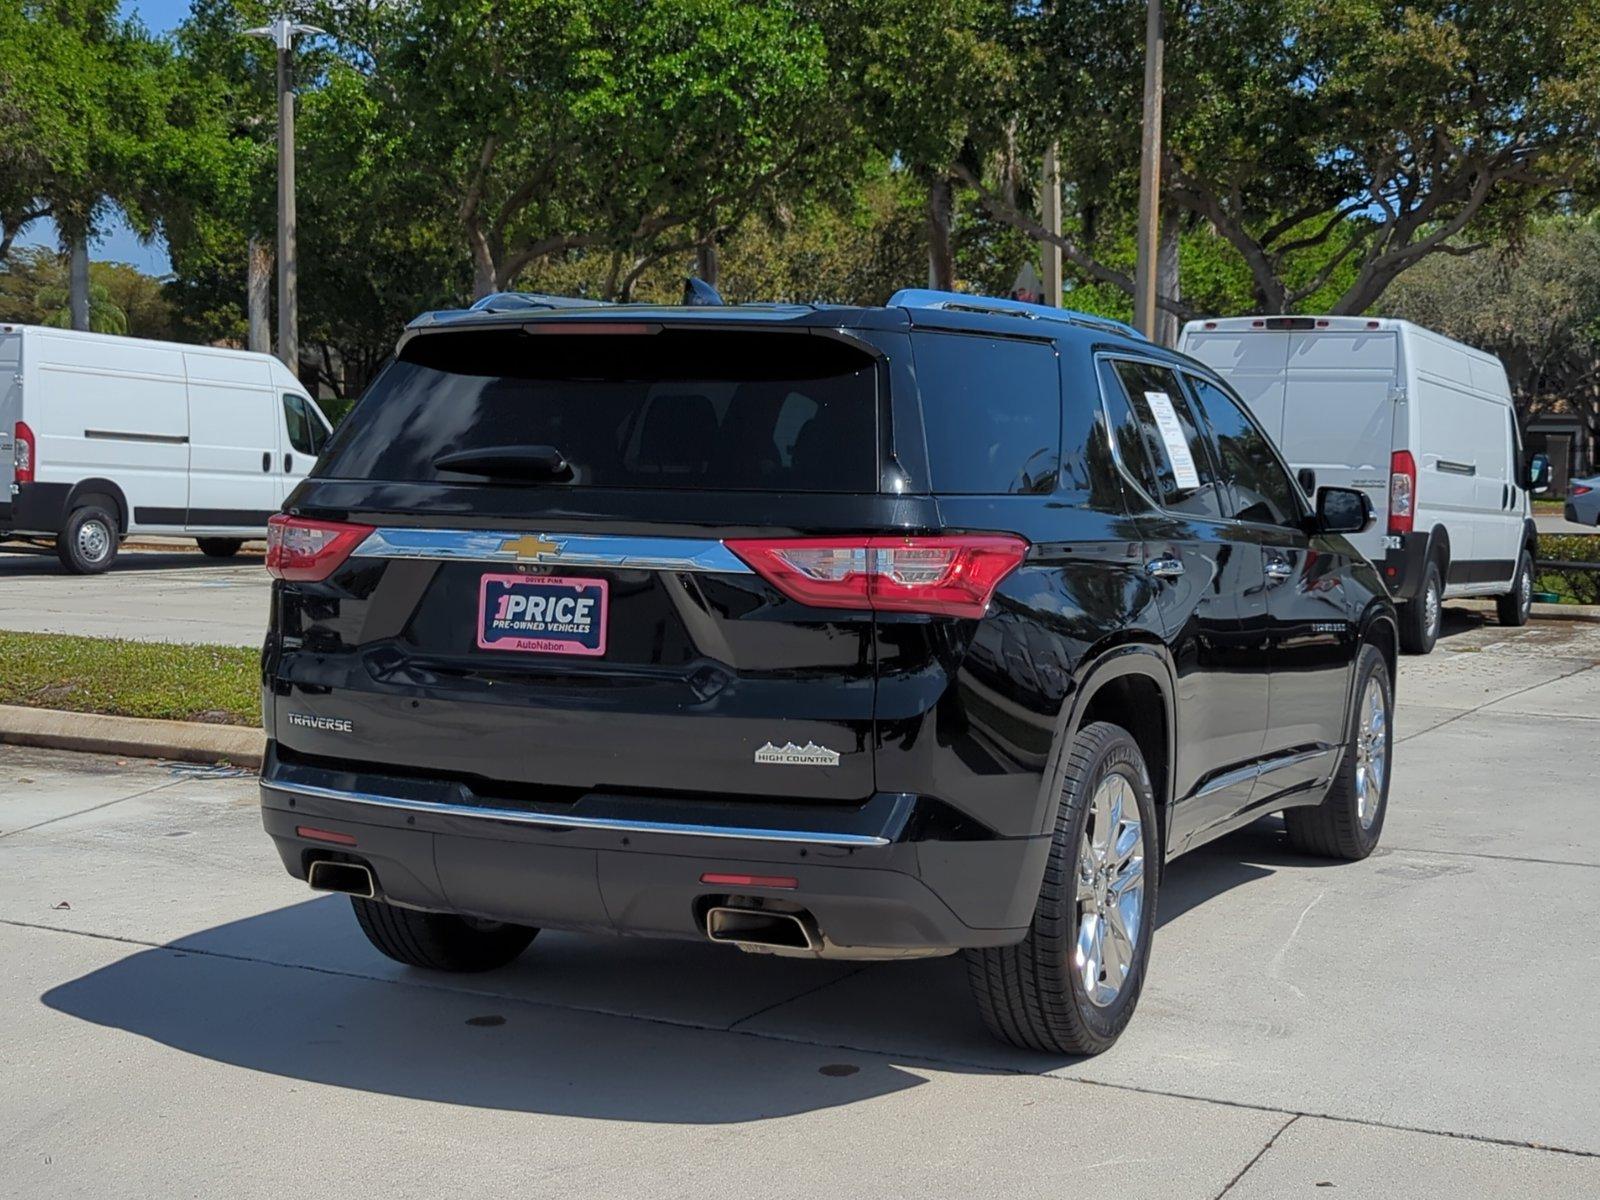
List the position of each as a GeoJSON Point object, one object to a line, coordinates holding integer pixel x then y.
{"type": "Point", "coordinates": [1583, 501]}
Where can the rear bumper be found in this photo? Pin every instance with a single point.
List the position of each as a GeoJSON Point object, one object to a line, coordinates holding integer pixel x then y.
{"type": "Point", "coordinates": [634, 865]}
{"type": "Point", "coordinates": [1404, 564]}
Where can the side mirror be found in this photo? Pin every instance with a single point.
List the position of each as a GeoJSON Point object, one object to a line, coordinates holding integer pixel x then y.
{"type": "Point", "coordinates": [1344, 510]}
{"type": "Point", "coordinates": [1536, 476]}
{"type": "Point", "coordinates": [1308, 480]}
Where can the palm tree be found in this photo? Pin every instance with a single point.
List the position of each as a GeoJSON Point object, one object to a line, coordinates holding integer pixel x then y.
{"type": "Point", "coordinates": [104, 315]}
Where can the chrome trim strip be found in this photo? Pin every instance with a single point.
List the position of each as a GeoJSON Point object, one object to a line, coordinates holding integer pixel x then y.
{"type": "Point", "coordinates": [1256, 770]}
{"type": "Point", "coordinates": [606, 824]}
{"type": "Point", "coordinates": [568, 549]}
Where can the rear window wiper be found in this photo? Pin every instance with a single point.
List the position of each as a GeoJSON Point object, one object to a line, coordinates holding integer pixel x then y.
{"type": "Point", "coordinates": [508, 462]}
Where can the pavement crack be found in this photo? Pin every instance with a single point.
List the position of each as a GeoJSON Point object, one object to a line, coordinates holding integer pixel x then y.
{"type": "Point", "coordinates": [1516, 858]}
{"type": "Point", "coordinates": [1245, 1170]}
{"type": "Point", "coordinates": [1579, 670]}
{"type": "Point", "coordinates": [913, 1057]}
{"type": "Point", "coordinates": [812, 991]}
{"type": "Point", "coordinates": [82, 812]}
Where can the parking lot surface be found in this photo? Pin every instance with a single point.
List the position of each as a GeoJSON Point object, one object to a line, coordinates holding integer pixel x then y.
{"type": "Point", "coordinates": [183, 1019]}
{"type": "Point", "coordinates": [175, 595]}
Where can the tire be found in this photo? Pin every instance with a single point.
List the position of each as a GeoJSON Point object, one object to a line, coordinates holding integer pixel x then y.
{"type": "Point", "coordinates": [1349, 821]}
{"type": "Point", "coordinates": [1035, 994]}
{"type": "Point", "coordinates": [1420, 619]}
{"type": "Point", "coordinates": [1516, 605]}
{"type": "Point", "coordinates": [440, 941]}
{"type": "Point", "coordinates": [87, 544]}
{"type": "Point", "coordinates": [219, 547]}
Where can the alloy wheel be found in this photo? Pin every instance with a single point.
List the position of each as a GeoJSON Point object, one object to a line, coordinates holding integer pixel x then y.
{"type": "Point", "coordinates": [1110, 890]}
{"type": "Point", "coordinates": [1372, 751]}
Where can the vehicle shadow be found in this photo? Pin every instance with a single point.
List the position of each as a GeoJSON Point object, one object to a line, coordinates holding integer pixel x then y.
{"type": "Point", "coordinates": [580, 1026]}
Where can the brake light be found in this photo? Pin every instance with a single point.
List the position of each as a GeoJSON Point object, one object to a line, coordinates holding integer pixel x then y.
{"type": "Point", "coordinates": [1402, 491]}
{"type": "Point", "coordinates": [24, 454]}
{"type": "Point", "coordinates": [947, 576]}
{"type": "Point", "coordinates": [1579, 489]}
{"type": "Point", "coordinates": [305, 550]}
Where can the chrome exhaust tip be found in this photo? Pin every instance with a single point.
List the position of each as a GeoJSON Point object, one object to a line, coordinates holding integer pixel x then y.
{"type": "Point", "coordinates": [763, 930]}
{"type": "Point", "coordinates": [353, 879]}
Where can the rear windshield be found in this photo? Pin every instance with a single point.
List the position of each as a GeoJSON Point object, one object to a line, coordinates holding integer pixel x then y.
{"type": "Point", "coordinates": [710, 410]}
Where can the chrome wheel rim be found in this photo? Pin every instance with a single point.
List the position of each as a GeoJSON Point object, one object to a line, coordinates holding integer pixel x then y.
{"type": "Point", "coordinates": [94, 540]}
{"type": "Point", "coordinates": [1430, 609]}
{"type": "Point", "coordinates": [1372, 752]}
{"type": "Point", "coordinates": [1110, 890]}
{"type": "Point", "coordinates": [1525, 591]}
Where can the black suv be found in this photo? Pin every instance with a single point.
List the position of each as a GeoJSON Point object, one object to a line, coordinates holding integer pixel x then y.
{"type": "Point", "coordinates": [860, 633]}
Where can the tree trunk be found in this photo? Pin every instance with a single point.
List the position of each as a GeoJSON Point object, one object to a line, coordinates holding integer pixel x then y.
{"type": "Point", "coordinates": [941, 223]}
{"type": "Point", "coordinates": [1167, 287]}
{"type": "Point", "coordinates": [707, 264]}
{"type": "Point", "coordinates": [484, 276]}
{"type": "Point", "coordinates": [78, 281]}
{"type": "Point", "coordinates": [258, 295]}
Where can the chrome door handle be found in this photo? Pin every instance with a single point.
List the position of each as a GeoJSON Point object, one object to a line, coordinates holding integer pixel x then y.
{"type": "Point", "coordinates": [1278, 569]}
{"type": "Point", "coordinates": [1164, 568]}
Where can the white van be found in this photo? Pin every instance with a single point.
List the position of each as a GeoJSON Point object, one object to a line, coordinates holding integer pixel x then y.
{"type": "Point", "coordinates": [1422, 424]}
{"type": "Point", "coordinates": [104, 436]}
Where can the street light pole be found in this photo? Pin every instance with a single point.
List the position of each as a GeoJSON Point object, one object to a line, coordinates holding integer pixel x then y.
{"type": "Point", "coordinates": [1144, 279]}
{"type": "Point", "coordinates": [282, 32]}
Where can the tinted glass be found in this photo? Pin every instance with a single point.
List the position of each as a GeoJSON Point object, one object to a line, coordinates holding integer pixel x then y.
{"type": "Point", "coordinates": [1261, 489]}
{"type": "Point", "coordinates": [672, 409]}
{"type": "Point", "coordinates": [1174, 441]}
{"type": "Point", "coordinates": [991, 408]}
{"type": "Point", "coordinates": [303, 427]}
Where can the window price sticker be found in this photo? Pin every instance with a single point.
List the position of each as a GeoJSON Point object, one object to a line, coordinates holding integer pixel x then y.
{"type": "Point", "coordinates": [1172, 434]}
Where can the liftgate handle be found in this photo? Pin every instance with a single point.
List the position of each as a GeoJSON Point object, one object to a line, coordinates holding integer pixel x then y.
{"type": "Point", "coordinates": [1164, 568]}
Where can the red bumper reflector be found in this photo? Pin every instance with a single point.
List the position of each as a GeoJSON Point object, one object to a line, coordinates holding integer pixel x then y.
{"type": "Point", "coordinates": [313, 834]}
{"type": "Point", "coordinates": [786, 882]}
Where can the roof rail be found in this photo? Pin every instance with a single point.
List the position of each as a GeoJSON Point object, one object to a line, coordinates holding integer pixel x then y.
{"type": "Point", "coordinates": [961, 302]}
{"type": "Point", "coordinates": [511, 301]}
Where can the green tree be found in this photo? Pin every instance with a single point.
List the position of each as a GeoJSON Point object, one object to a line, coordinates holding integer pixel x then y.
{"type": "Point", "coordinates": [1359, 136]}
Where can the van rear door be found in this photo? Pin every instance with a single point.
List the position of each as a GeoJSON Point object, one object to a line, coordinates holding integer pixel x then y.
{"type": "Point", "coordinates": [1338, 416]}
{"type": "Point", "coordinates": [10, 407]}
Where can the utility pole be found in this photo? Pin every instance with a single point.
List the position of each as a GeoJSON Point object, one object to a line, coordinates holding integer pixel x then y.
{"type": "Point", "coordinates": [1144, 279]}
{"type": "Point", "coordinates": [1050, 215]}
{"type": "Point", "coordinates": [282, 32]}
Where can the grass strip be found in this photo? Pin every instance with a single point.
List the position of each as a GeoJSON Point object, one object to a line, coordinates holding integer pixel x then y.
{"type": "Point", "coordinates": [215, 684]}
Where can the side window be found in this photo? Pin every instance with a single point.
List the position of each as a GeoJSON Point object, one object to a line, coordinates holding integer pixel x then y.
{"type": "Point", "coordinates": [1262, 491]}
{"type": "Point", "coordinates": [1176, 448]}
{"type": "Point", "coordinates": [991, 409]}
{"type": "Point", "coordinates": [306, 432]}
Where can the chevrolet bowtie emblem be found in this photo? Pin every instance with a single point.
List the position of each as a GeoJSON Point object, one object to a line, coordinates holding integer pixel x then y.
{"type": "Point", "coordinates": [529, 546]}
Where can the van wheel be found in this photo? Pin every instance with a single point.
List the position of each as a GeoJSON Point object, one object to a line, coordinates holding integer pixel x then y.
{"type": "Point", "coordinates": [1516, 605]}
{"type": "Point", "coordinates": [1349, 821]}
{"type": "Point", "coordinates": [219, 547]}
{"type": "Point", "coordinates": [1071, 985]}
{"type": "Point", "coordinates": [440, 941]}
{"type": "Point", "coordinates": [1419, 620]}
{"type": "Point", "coordinates": [88, 544]}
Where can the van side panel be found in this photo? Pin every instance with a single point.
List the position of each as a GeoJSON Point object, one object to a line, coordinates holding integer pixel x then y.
{"type": "Point", "coordinates": [234, 452]}
{"type": "Point", "coordinates": [112, 408]}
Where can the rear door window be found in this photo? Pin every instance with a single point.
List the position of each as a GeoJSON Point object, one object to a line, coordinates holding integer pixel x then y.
{"type": "Point", "coordinates": [991, 409]}
{"type": "Point", "coordinates": [691, 409]}
{"type": "Point", "coordinates": [1259, 487]}
{"type": "Point", "coordinates": [1176, 445]}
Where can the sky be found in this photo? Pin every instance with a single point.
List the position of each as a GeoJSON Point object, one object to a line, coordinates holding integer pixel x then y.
{"type": "Point", "coordinates": [120, 243]}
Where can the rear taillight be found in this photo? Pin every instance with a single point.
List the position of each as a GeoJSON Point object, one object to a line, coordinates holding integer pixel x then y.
{"type": "Point", "coordinates": [949, 575]}
{"type": "Point", "coordinates": [306, 550]}
{"type": "Point", "coordinates": [1402, 491]}
{"type": "Point", "coordinates": [1579, 489]}
{"type": "Point", "coordinates": [24, 454]}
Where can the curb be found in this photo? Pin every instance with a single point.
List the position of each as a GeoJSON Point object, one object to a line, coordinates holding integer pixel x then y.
{"type": "Point", "coordinates": [134, 737]}
{"type": "Point", "coordinates": [1540, 612]}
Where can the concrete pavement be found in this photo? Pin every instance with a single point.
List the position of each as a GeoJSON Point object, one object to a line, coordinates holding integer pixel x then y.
{"type": "Point", "coordinates": [1556, 523]}
{"type": "Point", "coordinates": [181, 1018]}
{"type": "Point", "coordinates": [149, 595]}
